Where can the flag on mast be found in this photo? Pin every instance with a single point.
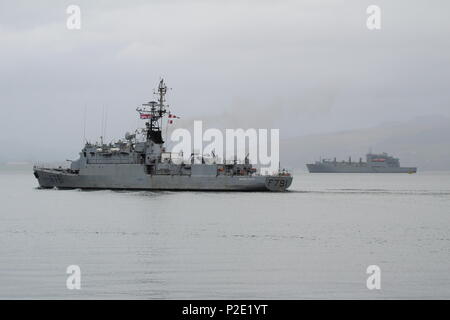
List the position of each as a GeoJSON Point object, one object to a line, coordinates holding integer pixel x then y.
{"type": "Point", "coordinates": [171, 117]}
{"type": "Point", "coordinates": [146, 115]}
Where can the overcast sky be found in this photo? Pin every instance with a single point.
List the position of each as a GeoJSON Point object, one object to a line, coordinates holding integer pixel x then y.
{"type": "Point", "coordinates": [305, 67]}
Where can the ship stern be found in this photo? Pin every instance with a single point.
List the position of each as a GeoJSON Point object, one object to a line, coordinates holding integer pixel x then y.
{"type": "Point", "coordinates": [278, 183]}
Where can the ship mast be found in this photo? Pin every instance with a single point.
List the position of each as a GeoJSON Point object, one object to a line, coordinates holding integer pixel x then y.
{"type": "Point", "coordinates": [154, 112]}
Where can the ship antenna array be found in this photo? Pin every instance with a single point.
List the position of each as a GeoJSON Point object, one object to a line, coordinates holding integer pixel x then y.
{"type": "Point", "coordinates": [84, 123]}
{"type": "Point", "coordinates": [154, 112]}
{"type": "Point", "coordinates": [104, 121]}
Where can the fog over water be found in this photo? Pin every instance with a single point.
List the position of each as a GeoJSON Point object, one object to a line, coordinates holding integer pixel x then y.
{"type": "Point", "coordinates": [308, 68]}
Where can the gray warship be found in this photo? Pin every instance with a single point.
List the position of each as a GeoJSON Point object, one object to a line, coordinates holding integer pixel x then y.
{"type": "Point", "coordinates": [375, 163]}
{"type": "Point", "coordinates": [131, 164]}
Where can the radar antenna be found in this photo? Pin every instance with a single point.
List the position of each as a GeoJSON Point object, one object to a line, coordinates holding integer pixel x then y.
{"type": "Point", "coordinates": [153, 112]}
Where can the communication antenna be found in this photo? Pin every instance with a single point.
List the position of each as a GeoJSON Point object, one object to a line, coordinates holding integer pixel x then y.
{"type": "Point", "coordinates": [102, 124]}
{"type": "Point", "coordinates": [154, 112]}
{"type": "Point", "coordinates": [106, 122]}
{"type": "Point", "coordinates": [84, 124]}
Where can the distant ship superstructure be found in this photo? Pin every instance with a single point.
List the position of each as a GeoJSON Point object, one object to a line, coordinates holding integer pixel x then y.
{"type": "Point", "coordinates": [145, 165]}
{"type": "Point", "coordinates": [375, 163]}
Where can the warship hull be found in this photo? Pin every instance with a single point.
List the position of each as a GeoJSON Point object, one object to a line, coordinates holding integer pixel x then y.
{"type": "Point", "coordinates": [133, 177]}
{"type": "Point", "coordinates": [330, 168]}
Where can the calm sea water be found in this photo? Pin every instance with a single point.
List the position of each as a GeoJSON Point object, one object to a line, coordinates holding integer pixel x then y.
{"type": "Point", "coordinates": [313, 242]}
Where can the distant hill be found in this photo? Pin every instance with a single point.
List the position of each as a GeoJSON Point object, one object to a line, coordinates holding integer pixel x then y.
{"type": "Point", "coordinates": [423, 142]}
